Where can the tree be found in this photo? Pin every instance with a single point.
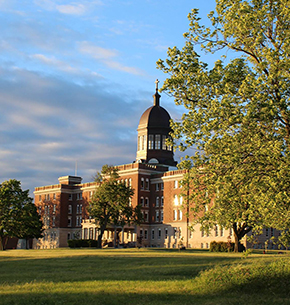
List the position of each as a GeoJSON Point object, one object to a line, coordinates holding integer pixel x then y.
{"type": "Point", "coordinates": [31, 224]}
{"type": "Point", "coordinates": [237, 115]}
{"type": "Point", "coordinates": [18, 216]}
{"type": "Point", "coordinates": [110, 203]}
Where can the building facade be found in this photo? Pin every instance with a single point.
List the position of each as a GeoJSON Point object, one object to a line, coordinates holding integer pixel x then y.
{"type": "Point", "coordinates": [158, 191]}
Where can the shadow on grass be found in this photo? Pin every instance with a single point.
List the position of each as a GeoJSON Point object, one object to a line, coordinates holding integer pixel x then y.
{"type": "Point", "coordinates": [107, 268]}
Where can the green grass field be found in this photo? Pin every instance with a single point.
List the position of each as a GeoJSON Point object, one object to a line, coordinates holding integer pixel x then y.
{"type": "Point", "coordinates": [145, 276]}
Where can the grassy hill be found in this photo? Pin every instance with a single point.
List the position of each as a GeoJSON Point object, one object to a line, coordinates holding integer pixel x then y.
{"type": "Point", "coordinates": [145, 276]}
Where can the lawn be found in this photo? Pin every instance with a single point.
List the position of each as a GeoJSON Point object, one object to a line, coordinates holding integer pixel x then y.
{"type": "Point", "coordinates": [145, 276]}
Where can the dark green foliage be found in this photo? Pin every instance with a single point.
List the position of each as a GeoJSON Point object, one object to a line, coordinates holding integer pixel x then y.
{"type": "Point", "coordinates": [18, 215]}
{"type": "Point", "coordinates": [82, 243]}
{"type": "Point", "coordinates": [221, 246]}
{"type": "Point", "coordinates": [111, 202]}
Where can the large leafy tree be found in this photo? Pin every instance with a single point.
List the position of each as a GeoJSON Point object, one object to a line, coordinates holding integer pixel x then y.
{"type": "Point", "coordinates": [110, 204]}
{"type": "Point", "coordinates": [18, 215]}
{"type": "Point", "coordinates": [237, 114]}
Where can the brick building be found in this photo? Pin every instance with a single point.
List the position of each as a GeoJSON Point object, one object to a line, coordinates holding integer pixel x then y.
{"type": "Point", "coordinates": [63, 206]}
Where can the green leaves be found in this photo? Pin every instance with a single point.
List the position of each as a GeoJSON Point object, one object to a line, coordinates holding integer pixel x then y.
{"type": "Point", "coordinates": [18, 215]}
{"type": "Point", "coordinates": [236, 114]}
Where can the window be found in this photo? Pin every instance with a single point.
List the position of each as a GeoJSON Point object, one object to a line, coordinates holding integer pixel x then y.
{"type": "Point", "coordinates": [39, 197]}
{"type": "Point", "coordinates": [164, 142]}
{"type": "Point", "coordinates": [202, 233]}
{"type": "Point", "coordinates": [70, 197]}
{"type": "Point", "coordinates": [267, 232]}
{"type": "Point", "coordinates": [54, 208]}
{"type": "Point", "coordinates": [176, 200]}
{"type": "Point", "coordinates": [201, 245]}
{"type": "Point", "coordinates": [146, 217]}
{"type": "Point", "coordinates": [48, 197]}
{"type": "Point", "coordinates": [162, 201]}
{"type": "Point", "coordinates": [70, 209]}
{"type": "Point", "coordinates": [166, 232]}
{"type": "Point", "coordinates": [147, 184]}
{"type": "Point", "coordinates": [130, 182]}
{"type": "Point", "coordinates": [157, 202]}
{"type": "Point", "coordinates": [77, 221]}
{"type": "Point", "coordinates": [174, 215]}
{"type": "Point", "coordinates": [174, 233]}
{"type": "Point", "coordinates": [216, 229]}
{"type": "Point", "coordinates": [159, 233]}
{"type": "Point", "coordinates": [222, 231]}
{"type": "Point", "coordinates": [90, 194]}
{"type": "Point", "coordinates": [152, 234]}
{"type": "Point", "coordinates": [141, 233]}
{"type": "Point", "coordinates": [190, 234]}
{"type": "Point", "coordinates": [157, 216]}
{"type": "Point", "coordinates": [157, 187]}
{"type": "Point", "coordinates": [69, 221]}
{"type": "Point", "coordinates": [142, 183]}
{"type": "Point", "coordinates": [151, 142]}
{"type": "Point", "coordinates": [78, 209]}
{"type": "Point", "coordinates": [161, 216]}
{"type": "Point", "coordinates": [146, 202]}
{"type": "Point", "coordinates": [162, 186]}
{"type": "Point", "coordinates": [175, 184]}
{"type": "Point", "coordinates": [180, 215]}
{"type": "Point", "coordinates": [68, 236]}
{"type": "Point", "coordinates": [54, 196]}
{"type": "Point", "coordinates": [53, 221]}
{"type": "Point", "coordinates": [81, 208]}
{"type": "Point", "coordinates": [180, 200]}
{"type": "Point", "coordinates": [272, 232]}
{"type": "Point", "coordinates": [145, 234]}
{"type": "Point", "coordinates": [142, 201]}
{"type": "Point", "coordinates": [157, 141]}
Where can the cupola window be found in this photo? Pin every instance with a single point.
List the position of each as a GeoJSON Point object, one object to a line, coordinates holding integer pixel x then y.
{"type": "Point", "coordinates": [157, 141]}
{"type": "Point", "coordinates": [151, 141]}
{"type": "Point", "coordinates": [164, 142]}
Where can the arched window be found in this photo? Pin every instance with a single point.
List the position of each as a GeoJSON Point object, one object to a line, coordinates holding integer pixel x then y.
{"type": "Point", "coordinates": [151, 141]}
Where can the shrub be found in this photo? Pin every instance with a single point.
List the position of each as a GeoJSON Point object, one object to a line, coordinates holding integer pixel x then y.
{"type": "Point", "coordinates": [221, 246]}
{"type": "Point", "coordinates": [82, 243]}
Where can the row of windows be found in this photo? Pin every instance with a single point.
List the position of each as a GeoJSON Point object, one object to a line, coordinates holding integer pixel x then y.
{"type": "Point", "coordinates": [154, 142]}
{"type": "Point", "coordinates": [144, 184]}
{"type": "Point", "coordinates": [78, 211]}
{"type": "Point", "coordinates": [46, 221]}
{"type": "Point", "coordinates": [47, 209]}
{"type": "Point", "coordinates": [176, 233]}
{"type": "Point", "coordinates": [177, 214]}
{"type": "Point", "coordinates": [79, 196]}
{"type": "Point", "coordinates": [218, 231]}
{"type": "Point", "coordinates": [78, 221]}
{"type": "Point", "coordinates": [47, 197]}
{"type": "Point", "coordinates": [127, 182]}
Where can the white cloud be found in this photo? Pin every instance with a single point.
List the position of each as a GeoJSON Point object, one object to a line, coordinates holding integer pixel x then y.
{"type": "Point", "coordinates": [107, 57]}
{"type": "Point", "coordinates": [52, 61]}
{"type": "Point", "coordinates": [73, 8]}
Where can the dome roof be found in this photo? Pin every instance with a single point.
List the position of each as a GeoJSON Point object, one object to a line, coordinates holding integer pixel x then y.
{"type": "Point", "coordinates": [156, 117]}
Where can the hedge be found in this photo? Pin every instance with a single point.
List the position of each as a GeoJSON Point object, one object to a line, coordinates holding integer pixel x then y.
{"type": "Point", "coordinates": [82, 243]}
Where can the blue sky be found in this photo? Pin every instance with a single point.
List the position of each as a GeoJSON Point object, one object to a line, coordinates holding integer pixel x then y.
{"type": "Point", "coordinates": [75, 77]}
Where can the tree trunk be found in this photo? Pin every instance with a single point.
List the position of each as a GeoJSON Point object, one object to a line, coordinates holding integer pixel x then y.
{"type": "Point", "coordinates": [100, 236]}
{"type": "Point", "coordinates": [1, 243]}
{"type": "Point", "coordinates": [237, 242]}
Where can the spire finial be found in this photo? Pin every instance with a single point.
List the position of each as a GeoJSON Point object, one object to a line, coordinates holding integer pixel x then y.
{"type": "Point", "coordinates": [157, 82]}
{"type": "Point", "coordinates": [156, 95]}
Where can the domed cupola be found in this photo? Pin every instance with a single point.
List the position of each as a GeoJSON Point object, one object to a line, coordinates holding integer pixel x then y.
{"type": "Point", "coordinates": [153, 130]}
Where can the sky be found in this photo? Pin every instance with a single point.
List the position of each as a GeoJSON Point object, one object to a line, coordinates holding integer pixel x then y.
{"type": "Point", "coordinates": [75, 78]}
